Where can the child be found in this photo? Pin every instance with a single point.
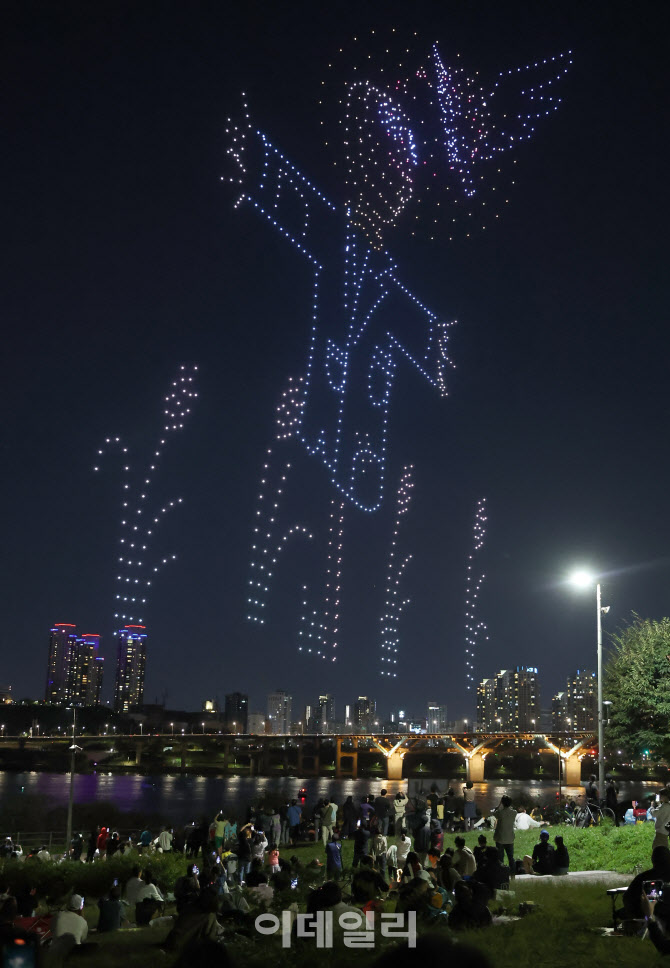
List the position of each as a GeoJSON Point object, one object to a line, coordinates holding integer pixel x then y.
{"type": "Point", "coordinates": [273, 859]}
{"type": "Point", "coordinates": [333, 858]}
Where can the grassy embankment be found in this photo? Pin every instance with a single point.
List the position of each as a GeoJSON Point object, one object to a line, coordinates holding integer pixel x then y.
{"type": "Point", "coordinates": [561, 931]}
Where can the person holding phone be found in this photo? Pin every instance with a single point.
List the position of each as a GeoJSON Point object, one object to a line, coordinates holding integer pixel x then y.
{"type": "Point", "coordinates": [660, 811]}
{"type": "Point", "coordinates": [659, 871]}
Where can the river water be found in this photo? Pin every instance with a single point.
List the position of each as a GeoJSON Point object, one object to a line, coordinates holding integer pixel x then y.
{"type": "Point", "coordinates": [183, 798]}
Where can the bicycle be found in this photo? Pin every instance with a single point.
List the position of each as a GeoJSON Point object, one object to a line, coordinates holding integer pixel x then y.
{"type": "Point", "coordinates": [593, 814]}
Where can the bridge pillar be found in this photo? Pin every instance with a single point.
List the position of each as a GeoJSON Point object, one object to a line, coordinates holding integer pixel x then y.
{"type": "Point", "coordinates": [394, 766]}
{"type": "Point", "coordinates": [572, 771]}
{"type": "Point", "coordinates": [317, 759]}
{"type": "Point", "coordinates": [182, 756]}
{"type": "Point", "coordinates": [474, 766]}
{"type": "Point", "coordinates": [138, 754]}
{"type": "Point", "coordinates": [341, 771]}
{"type": "Point", "coordinates": [301, 767]}
{"type": "Point", "coordinates": [226, 756]}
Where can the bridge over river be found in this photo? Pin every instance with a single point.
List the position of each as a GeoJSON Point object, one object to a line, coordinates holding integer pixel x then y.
{"type": "Point", "coordinates": [305, 754]}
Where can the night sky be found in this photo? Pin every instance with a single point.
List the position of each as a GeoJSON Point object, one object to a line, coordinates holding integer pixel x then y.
{"type": "Point", "coordinates": [124, 258]}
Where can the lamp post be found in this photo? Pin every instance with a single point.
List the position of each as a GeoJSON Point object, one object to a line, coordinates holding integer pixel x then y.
{"type": "Point", "coordinates": [73, 750]}
{"type": "Point", "coordinates": [583, 580]}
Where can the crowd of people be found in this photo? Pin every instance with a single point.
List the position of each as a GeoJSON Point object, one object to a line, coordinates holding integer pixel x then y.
{"type": "Point", "coordinates": [402, 863]}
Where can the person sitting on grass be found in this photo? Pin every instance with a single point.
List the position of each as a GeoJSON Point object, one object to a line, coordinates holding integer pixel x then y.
{"type": "Point", "coordinates": [470, 910]}
{"type": "Point", "coordinates": [491, 872]}
{"type": "Point", "coordinates": [367, 883]}
{"type": "Point", "coordinates": [464, 859]}
{"type": "Point", "coordinates": [196, 925]}
{"type": "Point", "coordinates": [523, 821]}
{"type": "Point", "coordinates": [480, 849]}
{"type": "Point", "coordinates": [149, 901]}
{"type": "Point", "coordinates": [111, 911]}
{"type": "Point", "coordinates": [447, 875]}
{"type": "Point", "coordinates": [543, 855]}
{"type": "Point", "coordinates": [659, 871]}
{"type": "Point", "coordinates": [561, 857]}
{"type": "Point", "coordinates": [71, 921]}
{"type": "Point", "coordinates": [186, 889]}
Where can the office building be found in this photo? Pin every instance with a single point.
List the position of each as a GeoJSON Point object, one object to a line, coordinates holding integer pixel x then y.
{"type": "Point", "coordinates": [436, 718]}
{"type": "Point", "coordinates": [62, 642]}
{"type": "Point", "coordinates": [279, 712]}
{"type": "Point", "coordinates": [236, 712]}
{"type": "Point", "coordinates": [130, 668]}
{"type": "Point", "coordinates": [85, 672]}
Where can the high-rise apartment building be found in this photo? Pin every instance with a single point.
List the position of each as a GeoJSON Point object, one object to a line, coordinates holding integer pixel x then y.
{"type": "Point", "coordinates": [577, 707]}
{"type": "Point", "coordinates": [62, 642]}
{"type": "Point", "coordinates": [436, 718]}
{"type": "Point", "coordinates": [236, 712]}
{"type": "Point", "coordinates": [279, 711]}
{"type": "Point", "coordinates": [130, 667]}
{"type": "Point", "coordinates": [74, 670]}
{"type": "Point", "coordinates": [325, 713]}
{"type": "Point", "coordinates": [365, 712]}
{"type": "Point", "coordinates": [85, 674]}
{"type": "Point", "coordinates": [510, 702]}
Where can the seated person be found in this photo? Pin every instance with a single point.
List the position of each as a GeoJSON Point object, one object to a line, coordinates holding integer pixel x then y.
{"type": "Point", "coordinates": [71, 921]}
{"type": "Point", "coordinates": [523, 822]}
{"type": "Point", "coordinates": [543, 855]}
{"type": "Point", "coordinates": [186, 889]}
{"type": "Point", "coordinates": [659, 871]}
{"type": "Point", "coordinates": [111, 910]}
{"type": "Point", "coordinates": [491, 872]}
{"type": "Point", "coordinates": [561, 857]}
{"type": "Point", "coordinates": [480, 849]}
{"type": "Point", "coordinates": [447, 875]}
{"type": "Point", "coordinates": [149, 901]}
{"type": "Point", "coordinates": [367, 883]}
{"type": "Point", "coordinates": [470, 910]}
{"type": "Point", "coordinates": [256, 875]}
{"type": "Point", "coordinates": [196, 925]}
{"type": "Point", "coordinates": [464, 860]}
{"type": "Point", "coordinates": [133, 885]}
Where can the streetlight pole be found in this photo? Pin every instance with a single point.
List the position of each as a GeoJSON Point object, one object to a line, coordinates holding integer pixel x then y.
{"type": "Point", "coordinates": [601, 741]}
{"type": "Point", "coordinates": [73, 749]}
{"type": "Point", "coordinates": [584, 580]}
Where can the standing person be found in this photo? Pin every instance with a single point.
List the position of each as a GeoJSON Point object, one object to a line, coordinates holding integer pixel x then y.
{"type": "Point", "coordinates": [504, 833]}
{"type": "Point", "coordinates": [92, 845]}
{"type": "Point", "coordinates": [382, 808]}
{"type": "Point", "coordinates": [379, 848]}
{"type": "Point", "coordinates": [404, 846]}
{"type": "Point", "coordinates": [349, 817]}
{"type": "Point", "coordinates": [219, 832]}
{"type": "Point", "coordinates": [283, 816]}
{"type": "Point", "coordinates": [145, 840]}
{"type": "Point", "coordinates": [592, 792]}
{"type": "Point", "coordinates": [333, 858]}
{"type": "Point", "coordinates": [660, 812]}
{"type": "Point", "coordinates": [293, 816]}
{"type": "Point", "coordinates": [328, 821]}
{"type": "Point", "coordinates": [102, 841]}
{"type": "Point", "coordinates": [469, 806]}
{"type": "Point", "coordinates": [366, 809]}
{"type": "Point", "coordinates": [422, 838]}
{"type": "Point", "coordinates": [399, 807]}
{"type": "Point", "coordinates": [273, 859]}
{"type": "Point", "coordinates": [77, 846]}
{"type": "Point", "coordinates": [612, 798]}
{"type": "Point", "coordinates": [275, 827]}
{"type": "Point", "coordinates": [361, 843]}
{"type": "Point", "coordinates": [243, 852]}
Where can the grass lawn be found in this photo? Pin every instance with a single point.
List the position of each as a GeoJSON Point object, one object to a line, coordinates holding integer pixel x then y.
{"type": "Point", "coordinates": [562, 930]}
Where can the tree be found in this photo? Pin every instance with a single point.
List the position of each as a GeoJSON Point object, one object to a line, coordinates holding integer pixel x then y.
{"type": "Point", "coordinates": [637, 682]}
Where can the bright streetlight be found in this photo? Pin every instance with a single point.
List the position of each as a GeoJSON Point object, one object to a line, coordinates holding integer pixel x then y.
{"type": "Point", "coordinates": [172, 728]}
{"type": "Point", "coordinates": [203, 728]}
{"type": "Point", "coordinates": [582, 579]}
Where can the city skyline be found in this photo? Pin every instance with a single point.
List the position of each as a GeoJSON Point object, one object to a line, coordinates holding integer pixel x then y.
{"type": "Point", "coordinates": [146, 266]}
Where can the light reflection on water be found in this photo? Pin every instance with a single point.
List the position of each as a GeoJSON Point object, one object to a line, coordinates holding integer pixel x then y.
{"type": "Point", "coordinates": [183, 797]}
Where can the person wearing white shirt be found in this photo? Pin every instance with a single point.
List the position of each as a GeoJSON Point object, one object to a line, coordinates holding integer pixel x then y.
{"type": "Point", "coordinates": [660, 813]}
{"type": "Point", "coordinates": [523, 821]}
{"type": "Point", "coordinates": [165, 840]}
{"type": "Point", "coordinates": [71, 921]}
{"type": "Point", "coordinates": [149, 891]}
{"type": "Point", "coordinates": [133, 885]}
